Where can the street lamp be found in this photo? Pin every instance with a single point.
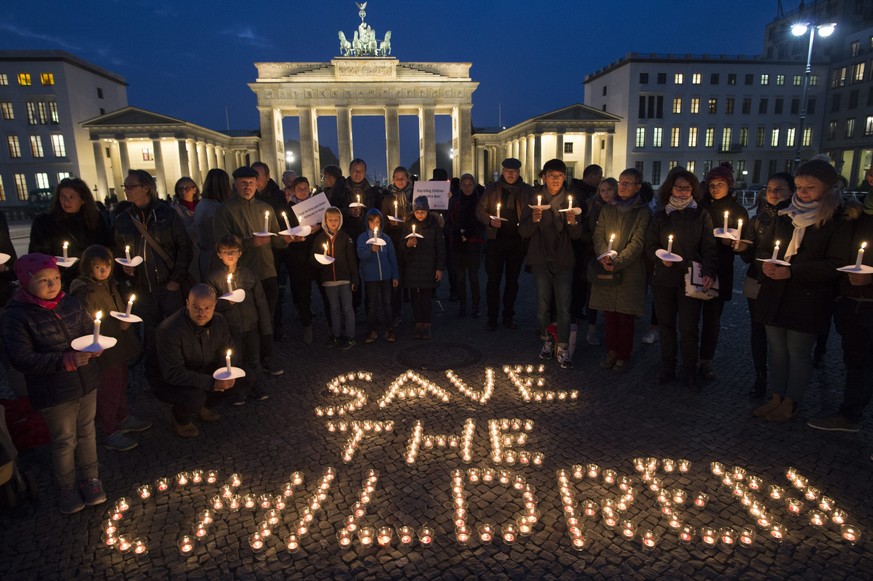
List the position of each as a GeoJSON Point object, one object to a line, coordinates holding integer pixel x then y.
{"type": "Point", "coordinates": [799, 29]}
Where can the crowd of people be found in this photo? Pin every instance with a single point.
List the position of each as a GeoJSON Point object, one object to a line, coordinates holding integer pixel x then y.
{"type": "Point", "coordinates": [206, 274]}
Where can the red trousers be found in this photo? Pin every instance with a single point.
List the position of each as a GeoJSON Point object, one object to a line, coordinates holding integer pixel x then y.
{"type": "Point", "coordinates": [619, 333]}
{"type": "Point", "coordinates": [112, 398]}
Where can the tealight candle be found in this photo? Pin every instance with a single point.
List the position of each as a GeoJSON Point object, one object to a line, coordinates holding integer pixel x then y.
{"type": "Point", "coordinates": [344, 537]}
{"type": "Point", "coordinates": [628, 529]}
{"type": "Point", "coordinates": [110, 540]}
{"type": "Point", "coordinates": [839, 516]}
{"type": "Point", "coordinates": [110, 528]}
{"type": "Point", "coordinates": [486, 532]}
{"type": "Point", "coordinates": [709, 536]}
{"type": "Point", "coordinates": [383, 537]}
{"type": "Point", "coordinates": [140, 547]}
{"type": "Point", "coordinates": [609, 476]}
{"type": "Point", "coordinates": [700, 500]}
{"type": "Point", "coordinates": [717, 468]}
{"type": "Point", "coordinates": [795, 506]}
{"type": "Point", "coordinates": [256, 541]}
{"type": "Point", "coordinates": [592, 470]}
{"type": "Point", "coordinates": [649, 539]}
{"type": "Point", "coordinates": [850, 532]}
{"type": "Point", "coordinates": [777, 531]}
{"type": "Point", "coordinates": [181, 479]}
{"type": "Point", "coordinates": [186, 544]}
{"type": "Point", "coordinates": [684, 466]}
{"type": "Point", "coordinates": [509, 531]}
{"type": "Point", "coordinates": [212, 477]}
{"type": "Point", "coordinates": [292, 543]}
{"type": "Point", "coordinates": [144, 491]}
{"type": "Point", "coordinates": [826, 503]}
{"type": "Point", "coordinates": [579, 541]}
{"type": "Point", "coordinates": [747, 536]}
{"type": "Point", "coordinates": [817, 518]}
{"type": "Point", "coordinates": [162, 484]}
{"type": "Point", "coordinates": [686, 533]}
{"type": "Point", "coordinates": [200, 530]}
{"type": "Point", "coordinates": [728, 536]}
{"type": "Point", "coordinates": [811, 493]}
{"type": "Point", "coordinates": [776, 492]}
{"type": "Point", "coordinates": [425, 535]}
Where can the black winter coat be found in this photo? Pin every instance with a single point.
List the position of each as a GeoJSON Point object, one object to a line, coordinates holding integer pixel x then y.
{"type": "Point", "coordinates": [49, 232]}
{"type": "Point", "coordinates": [462, 227]}
{"type": "Point", "coordinates": [428, 255]}
{"type": "Point", "coordinates": [692, 240]}
{"type": "Point", "coordinates": [251, 314]}
{"type": "Point", "coordinates": [863, 232]}
{"type": "Point", "coordinates": [187, 354]}
{"type": "Point", "coordinates": [7, 276]}
{"type": "Point", "coordinates": [36, 340]}
{"type": "Point", "coordinates": [724, 250]}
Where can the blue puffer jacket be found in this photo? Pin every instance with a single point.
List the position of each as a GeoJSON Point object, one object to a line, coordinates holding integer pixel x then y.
{"type": "Point", "coordinates": [36, 340]}
{"type": "Point", "coordinates": [381, 265]}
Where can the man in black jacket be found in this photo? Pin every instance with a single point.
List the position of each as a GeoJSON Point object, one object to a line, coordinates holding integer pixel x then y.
{"type": "Point", "coordinates": [192, 344]}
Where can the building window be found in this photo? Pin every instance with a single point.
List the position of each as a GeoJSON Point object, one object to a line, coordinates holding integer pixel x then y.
{"type": "Point", "coordinates": [759, 137]}
{"type": "Point", "coordinates": [747, 105]}
{"type": "Point", "coordinates": [813, 80]}
{"type": "Point", "coordinates": [726, 136]}
{"type": "Point", "coordinates": [744, 136]}
{"type": "Point", "coordinates": [789, 136]}
{"type": "Point", "coordinates": [641, 137]}
{"type": "Point", "coordinates": [732, 79]}
{"type": "Point", "coordinates": [749, 79]}
{"type": "Point", "coordinates": [21, 186]}
{"type": "Point", "coordinates": [690, 166]}
{"type": "Point", "coordinates": [713, 79]}
{"type": "Point", "coordinates": [58, 146]}
{"type": "Point", "coordinates": [709, 137]}
{"type": "Point", "coordinates": [838, 77]}
{"type": "Point", "coordinates": [32, 118]}
{"type": "Point", "coordinates": [2, 191]}
{"type": "Point", "coordinates": [677, 105]}
{"type": "Point", "coordinates": [674, 137]}
{"type": "Point", "coordinates": [855, 48]}
{"type": "Point", "coordinates": [777, 106]}
{"type": "Point", "coordinates": [729, 106]}
{"type": "Point", "coordinates": [568, 147]}
{"type": "Point", "coordinates": [765, 80]}
{"type": "Point", "coordinates": [832, 130]}
{"type": "Point", "coordinates": [100, 92]}
{"type": "Point", "coordinates": [695, 78]}
{"type": "Point", "coordinates": [795, 106]}
{"type": "Point", "coordinates": [42, 180]}
{"type": "Point", "coordinates": [657, 136]}
{"type": "Point", "coordinates": [53, 113]}
{"type": "Point", "coordinates": [8, 112]}
{"type": "Point", "coordinates": [858, 72]}
{"type": "Point", "coordinates": [868, 127]}
{"type": "Point", "coordinates": [4, 79]}
{"type": "Point", "coordinates": [762, 107]}
{"type": "Point", "coordinates": [24, 79]}
{"type": "Point", "coordinates": [47, 79]}
{"type": "Point", "coordinates": [774, 137]}
{"type": "Point", "coordinates": [807, 137]}
{"type": "Point", "coordinates": [644, 78]}
{"type": "Point", "coordinates": [850, 128]}
{"type": "Point", "coordinates": [672, 163]}
{"type": "Point", "coordinates": [662, 78]}
{"type": "Point", "coordinates": [656, 172]}
{"type": "Point", "coordinates": [870, 96]}
{"type": "Point", "coordinates": [640, 166]}
{"type": "Point", "coordinates": [797, 81]}
{"type": "Point", "coordinates": [36, 146]}
{"type": "Point", "coordinates": [103, 111]}
{"type": "Point", "coordinates": [780, 80]}
{"type": "Point", "coordinates": [712, 105]}
{"type": "Point", "coordinates": [678, 79]}
{"type": "Point", "coordinates": [62, 175]}
{"type": "Point", "coordinates": [14, 146]}
{"type": "Point", "coordinates": [651, 107]}
{"type": "Point", "coordinates": [147, 154]}
{"type": "Point", "coordinates": [707, 165]}
{"type": "Point", "coordinates": [810, 106]}
{"type": "Point", "coordinates": [695, 105]}
{"type": "Point", "coordinates": [741, 169]}
{"type": "Point", "coordinates": [692, 137]}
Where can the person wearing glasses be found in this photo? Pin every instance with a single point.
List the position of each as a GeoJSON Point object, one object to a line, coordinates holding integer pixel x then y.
{"type": "Point", "coordinates": [679, 216]}
{"type": "Point", "coordinates": [627, 219]}
{"type": "Point", "coordinates": [185, 201]}
{"type": "Point", "coordinates": [74, 218]}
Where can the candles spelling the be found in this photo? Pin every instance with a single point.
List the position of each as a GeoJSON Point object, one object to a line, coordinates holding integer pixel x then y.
{"type": "Point", "coordinates": [230, 283]}
{"type": "Point", "coordinates": [127, 253]}
{"type": "Point", "coordinates": [726, 221]}
{"type": "Point", "coordinates": [227, 361]}
{"type": "Point", "coordinates": [860, 258]}
{"type": "Point", "coordinates": [775, 251]}
{"type": "Point", "coordinates": [66, 246]}
{"type": "Point", "coordinates": [266, 221]}
{"type": "Point", "coordinates": [97, 318]}
{"type": "Point", "coordinates": [611, 240]}
{"type": "Point", "coordinates": [670, 244]}
{"type": "Point", "coordinates": [129, 305]}
{"type": "Point", "coordinates": [287, 223]}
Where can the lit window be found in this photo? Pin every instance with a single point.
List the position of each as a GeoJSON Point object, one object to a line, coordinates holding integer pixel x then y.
{"type": "Point", "coordinates": [678, 79]}
{"type": "Point", "coordinates": [147, 154]}
{"type": "Point", "coordinates": [832, 129]}
{"type": "Point", "coordinates": [789, 136]}
{"type": "Point", "coordinates": [759, 137]}
{"type": "Point", "coordinates": [855, 48]}
{"type": "Point", "coordinates": [674, 137]}
{"type": "Point", "coordinates": [692, 137]}
{"type": "Point", "coordinates": [813, 80]}
{"type": "Point", "coordinates": [807, 137]}
{"type": "Point", "coordinates": [43, 113]}
{"type": "Point", "coordinates": [4, 79]}
{"type": "Point", "coordinates": [726, 135]}
{"type": "Point", "coordinates": [868, 128]}
{"type": "Point", "coordinates": [712, 105]}
{"type": "Point", "coordinates": [780, 80]}
{"type": "Point", "coordinates": [2, 191]}
{"type": "Point", "coordinates": [32, 117]}
{"type": "Point", "coordinates": [47, 78]}
{"type": "Point", "coordinates": [53, 112]}
{"type": "Point", "coordinates": [677, 105]}
{"type": "Point", "coordinates": [14, 146]}
{"type": "Point", "coordinates": [850, 128]}
{"type": "Point", "coordinates": [21, 186]}
{"type": "Point", "coordinates": [744, 136]}
{"type": "Point", "coordinates": [709, 137]}
{"type": "Point", "coordinates": [42, 180]}
{"type": "Point", "coordinates": [36, 146]}
{"type": "Point", "coordinates": [568, 147]}
{"type": "Point", "coordinates": [672, 163]}
{"type": "Point", "coordinates": [58, 146]}
{"type": "Point", "coordinates": [797, 81]}
{"type": "Point", "coordinates": [641, 137]}
{"type": "Point", "coordinates": [24, 79]}
{"type": "Point", "coordinates": [695, 105]}
{"type": "Point", "coordinates": [657, 136]}
{"type": "Point", "coordinates": [695, 79]}
{"type": "Point", "coordinates": [62, 175]}
{"type": "Point", "coordinates": [8, 112]}
{"type": "Point", "coordinates": [774, 137]}
{"type": "Point", "coordinates": [765, 80]}
{"type": "Point", "coordinates": [858, 72]}
{"type": "Point", "coordinates": [689, 165]}
{"type": "Point", "coordinates": [729, 106]}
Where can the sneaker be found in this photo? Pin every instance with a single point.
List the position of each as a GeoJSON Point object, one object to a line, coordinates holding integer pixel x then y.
{"type": "Point", "coordinates": [650, 336]}
{"type": "Point", "coordinates": [346, 344]}
{"type": "Point", "coordinates": [120, 442]}
{"type": "Point", "coordinates": [591, 336]}
{"type": "Point", "coordinates": [609, 362]}
{"type": "Point", "coordinates": [564, 358]}
{"type": "Point", "coordinates": [70, 502]}
{"type": "Point", "coordinates": [270, 367]}
{"type": "Point", "coordinates": [134, 424]}
{"type": "Point", "coordinates": [390, 336]}
{"type": "Point", "coordinates": [256, 394]}
{"type": "Point", "coordinates": [371, 337]}
{"type": "Point", "coordinates": [92, 492]}
{"type": "Point", "coordinates": [185, 430]}
{"type": "Point", "coordinates": [331, 343]}
{"type": "Point", "coordinates": [835, 423]}
{"type": "Point", "coordinates": [548, 348]}
{"type": "Point", "coordinates": [207, 415]}
{"type": "Point", "coordinates": [620, 365]}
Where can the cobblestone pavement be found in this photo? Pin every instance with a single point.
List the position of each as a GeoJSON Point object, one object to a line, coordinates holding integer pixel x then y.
{"type": "Point", "coordinates": [616, 418]}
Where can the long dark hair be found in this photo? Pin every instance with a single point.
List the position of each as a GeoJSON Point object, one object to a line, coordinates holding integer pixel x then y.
{"type": "Point", "coordinates": [90, 213]}
{"type": "Point", "coordinates": [216, 186]}
{"type": "Point", "coordinates": [666, 188]}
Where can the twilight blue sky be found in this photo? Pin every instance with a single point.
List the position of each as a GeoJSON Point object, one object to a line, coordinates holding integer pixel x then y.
{"type": "Point", "coordinates": [192, 59]}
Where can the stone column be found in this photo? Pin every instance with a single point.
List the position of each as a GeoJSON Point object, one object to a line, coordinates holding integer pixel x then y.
{"type": "Point", "coordinates": [124, 156]}
{"type": "Point", "coordinates": [100, 166]}
{"type": "Point", "coordinates": [589, 144]}
{"type": "Point", "coordinates": [392, 139]}
{"type": "Point", "coordinates": [196, 160]}
{"type": "Point", "coordinates": [272, 146]}
{"type": "Point", "coordinates": [527, 172]}
{"type": "Point", "coordinates": [426, 141]}
{"type": "Point", "coordinates": [531, 161]}
{"type": "Point", "coordinates": [309, 165]}
{"type": "Point", "coordinates": [463, 138]}
{"type": "Point", "coordinates": [481, 167]}
{"type": "Point", "coordinates": [538, 151]}
{"type": "Point", "coordinates": [607, 162]}
{"type": "Point", "coordinates": [210, 157]}
{"type": "Point", "coordinates": [117, 175]}
{"type": "Point", "coordinates": [559, 146]}
{"type": "Point", "coordinates": [184, 166]}
{"type": "Point", "coordinates": [344, 136]}
{"type": "Point", "coordinates": [161, 177]}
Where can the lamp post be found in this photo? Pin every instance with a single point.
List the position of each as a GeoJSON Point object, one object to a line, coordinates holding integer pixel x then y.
{"type": "Point", "coordinates": [799, 29]}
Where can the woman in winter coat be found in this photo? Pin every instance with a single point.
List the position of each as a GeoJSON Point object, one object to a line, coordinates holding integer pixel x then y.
{"type": "Point", "coordinates": [627, 220]}
{"type": "Point", "coordinates": [466, 235]}
{"type": "Point", "coordinates": [607, 193]}
{"type": "Point", "coordinates": [796, 302]}
{"type": "Point", "coordinates": [397, 203]}
{"type": "Point", "coordinates": [425, 263]}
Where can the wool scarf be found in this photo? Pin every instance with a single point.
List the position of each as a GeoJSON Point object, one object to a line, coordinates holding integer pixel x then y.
{"type": "Point", "coordinates": [803, 215]}
{"type": "Point", "coordinates": [679, 204]}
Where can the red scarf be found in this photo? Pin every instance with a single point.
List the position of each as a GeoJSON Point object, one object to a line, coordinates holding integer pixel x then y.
{"type": "Point", "coordinates": [21, 295]}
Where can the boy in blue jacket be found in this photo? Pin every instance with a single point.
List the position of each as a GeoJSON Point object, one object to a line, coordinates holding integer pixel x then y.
{"type": "Point", "coordinates": [380, 273]}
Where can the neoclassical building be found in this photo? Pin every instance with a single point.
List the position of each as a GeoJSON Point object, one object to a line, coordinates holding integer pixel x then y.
{"type": "Point", "coordinates": [577, 134]}
{"type": "Point", "coordinates": [349, 86]}
{"type": "Point", "coordinates": [168, 148]}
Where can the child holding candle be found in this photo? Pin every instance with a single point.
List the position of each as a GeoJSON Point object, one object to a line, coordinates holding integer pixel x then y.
{"type": "Point", "coordinates": [247, 320]}
{"type": "Point", "coordinates": [338, 278]}
{"type": "Point", "coordinates": [37, 327]}
{"type": "Point", "coordinates": [397, 202]}
{"type": "Point", "coordinates": [425, 264]}
{"type": "Point", "coordinates": [98, 291]}
{"type": "Point", "coordinates": [380, 273]}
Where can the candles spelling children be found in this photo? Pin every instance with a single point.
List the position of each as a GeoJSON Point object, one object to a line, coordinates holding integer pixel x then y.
{"type": "Point", "coordinates": [670, 244]}
{"type": "Point", "coordinates": [129, 305]}
{"type": "Point", "coordinates": [227, 361]}
{"type": "Point", "coordinates": [266, 221]}
{"type": "Point", "coordinates": [860, 258]}
{"type": "Point", "coordinates": [97, 318]}
{"type": "Point", "coordinates": [287, 223]}
{"type": "Point", "coordinates": [775, 251]}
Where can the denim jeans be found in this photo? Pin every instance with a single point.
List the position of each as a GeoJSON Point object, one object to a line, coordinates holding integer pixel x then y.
{"type": "Point", "coordinates": [379, 292]}
{"type": "Point", "coordinates": [74, 438]}
{"type": "Point", "coordinates": [339, 298]}
{"type": "Point", "coordinates": [557, 283]}
{"type": "Point", "coordinates": [790, 361]}
{"type": "Point", "coordinates": [671, 305]}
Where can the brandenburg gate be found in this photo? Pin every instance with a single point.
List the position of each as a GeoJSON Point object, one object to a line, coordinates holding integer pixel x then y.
{"type": "Point", "coordinates": [364, 81]}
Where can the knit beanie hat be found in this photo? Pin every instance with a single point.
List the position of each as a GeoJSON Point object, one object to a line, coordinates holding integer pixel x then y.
{"type": "Point", "coordinates": [421, 203]}
{"type": "Point", "coordinates": [723, 171]}
{"type": "Point", "coordinates": [29, 264]}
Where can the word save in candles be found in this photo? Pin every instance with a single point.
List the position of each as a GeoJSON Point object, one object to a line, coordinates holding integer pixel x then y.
{"type": "Point", "coordinates": [97, 318]}
{"type": "Point", "coordinates": [129, 305]}
{"type": "Point", "coordinates": [860, 258]}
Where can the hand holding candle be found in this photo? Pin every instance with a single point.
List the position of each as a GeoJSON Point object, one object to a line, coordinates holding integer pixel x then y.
{"type": "Point", "coordinates": [129, 305]}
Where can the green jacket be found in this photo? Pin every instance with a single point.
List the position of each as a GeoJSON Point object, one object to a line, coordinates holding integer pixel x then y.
{"type": "Point", "coordinates": [243, 217]}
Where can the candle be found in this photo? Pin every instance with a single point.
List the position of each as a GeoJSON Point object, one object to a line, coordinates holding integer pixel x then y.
{"type": "Point", "coordinates": [227, 362]}
{"type": "Point", "coordinates": [670, 244]}
{"type": "Point", "coordinates": [359, 198]}
{"type": "Point", "coordinates": [97, 318]}
{"type": "Point", "coordinates": [186, 544]}
{"type": "Point", "coordinates": [287, 223]}
{"type": "Point", "coordinates": [344, 536]}
{"type": "Point", "coordinates": [325, 245]}
{"type": "Point", "coordinates": [739, 228]}
{"type": "Point", "coordinates": [728, 537]}
{"type": "Point", "coordinates": [139, 547]}
{"type": "Point", "coordinates": [266, 221]}
{"type": "Point", "coordinates": [509, 531]}
{"type": "Point", "coordinates": [747, 536]}
{"type": "Point", "coordinates": [66, 246]}
{"type": "Point", "coordinates": [539, 200]}
{"type": "Point", "coordinates": [708, 536]}
{"type": "Point", "coordinates": [498, 209]}
{"type": "Point", "coordinates": [292, 543]}
{"type": "Point", "coordinates": [649, 539]}
{"type": "Point", "coordinates": [413, 228]}
{"type": "Point", "coordinates": [129, 305]}
{"type": "Point", "coordinates": [726, 222]}
{"type": "Point", "coordinates": [486, 532]}
{"type": "Point", "coordinates": [569, 202]}
{"type": "Point", "coordinates": [384, 536]}
{"type": "Point", "coordinates": [860, 257]}
{"type": "Point", "coordinates": [256, 541]}
{"type": "Point", "coordinates": [230, 283]}
{"type": "Point", "coordinates": [425, 535]}
{"type": "Point", "coordinates": [686, 533]}
{"type": "Point", "coordinates": [611, 240]}
{"type": "Point", "coordinates": [775, 251]}
{"type": "Point", "coordinates": [406, 534]}
{"type": "Point", "coordinates": [850, 532]}
{"type": "Point", "coordinates": [376, 232]}
{"type": "Point", "coordinates": [365, 535]}
{"type": "Point", "coordinates": [817, 518]}
{"type": "Point", "coordinates": [127, 253]}
{"type": "Point", "coordinates": [395, 209]}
